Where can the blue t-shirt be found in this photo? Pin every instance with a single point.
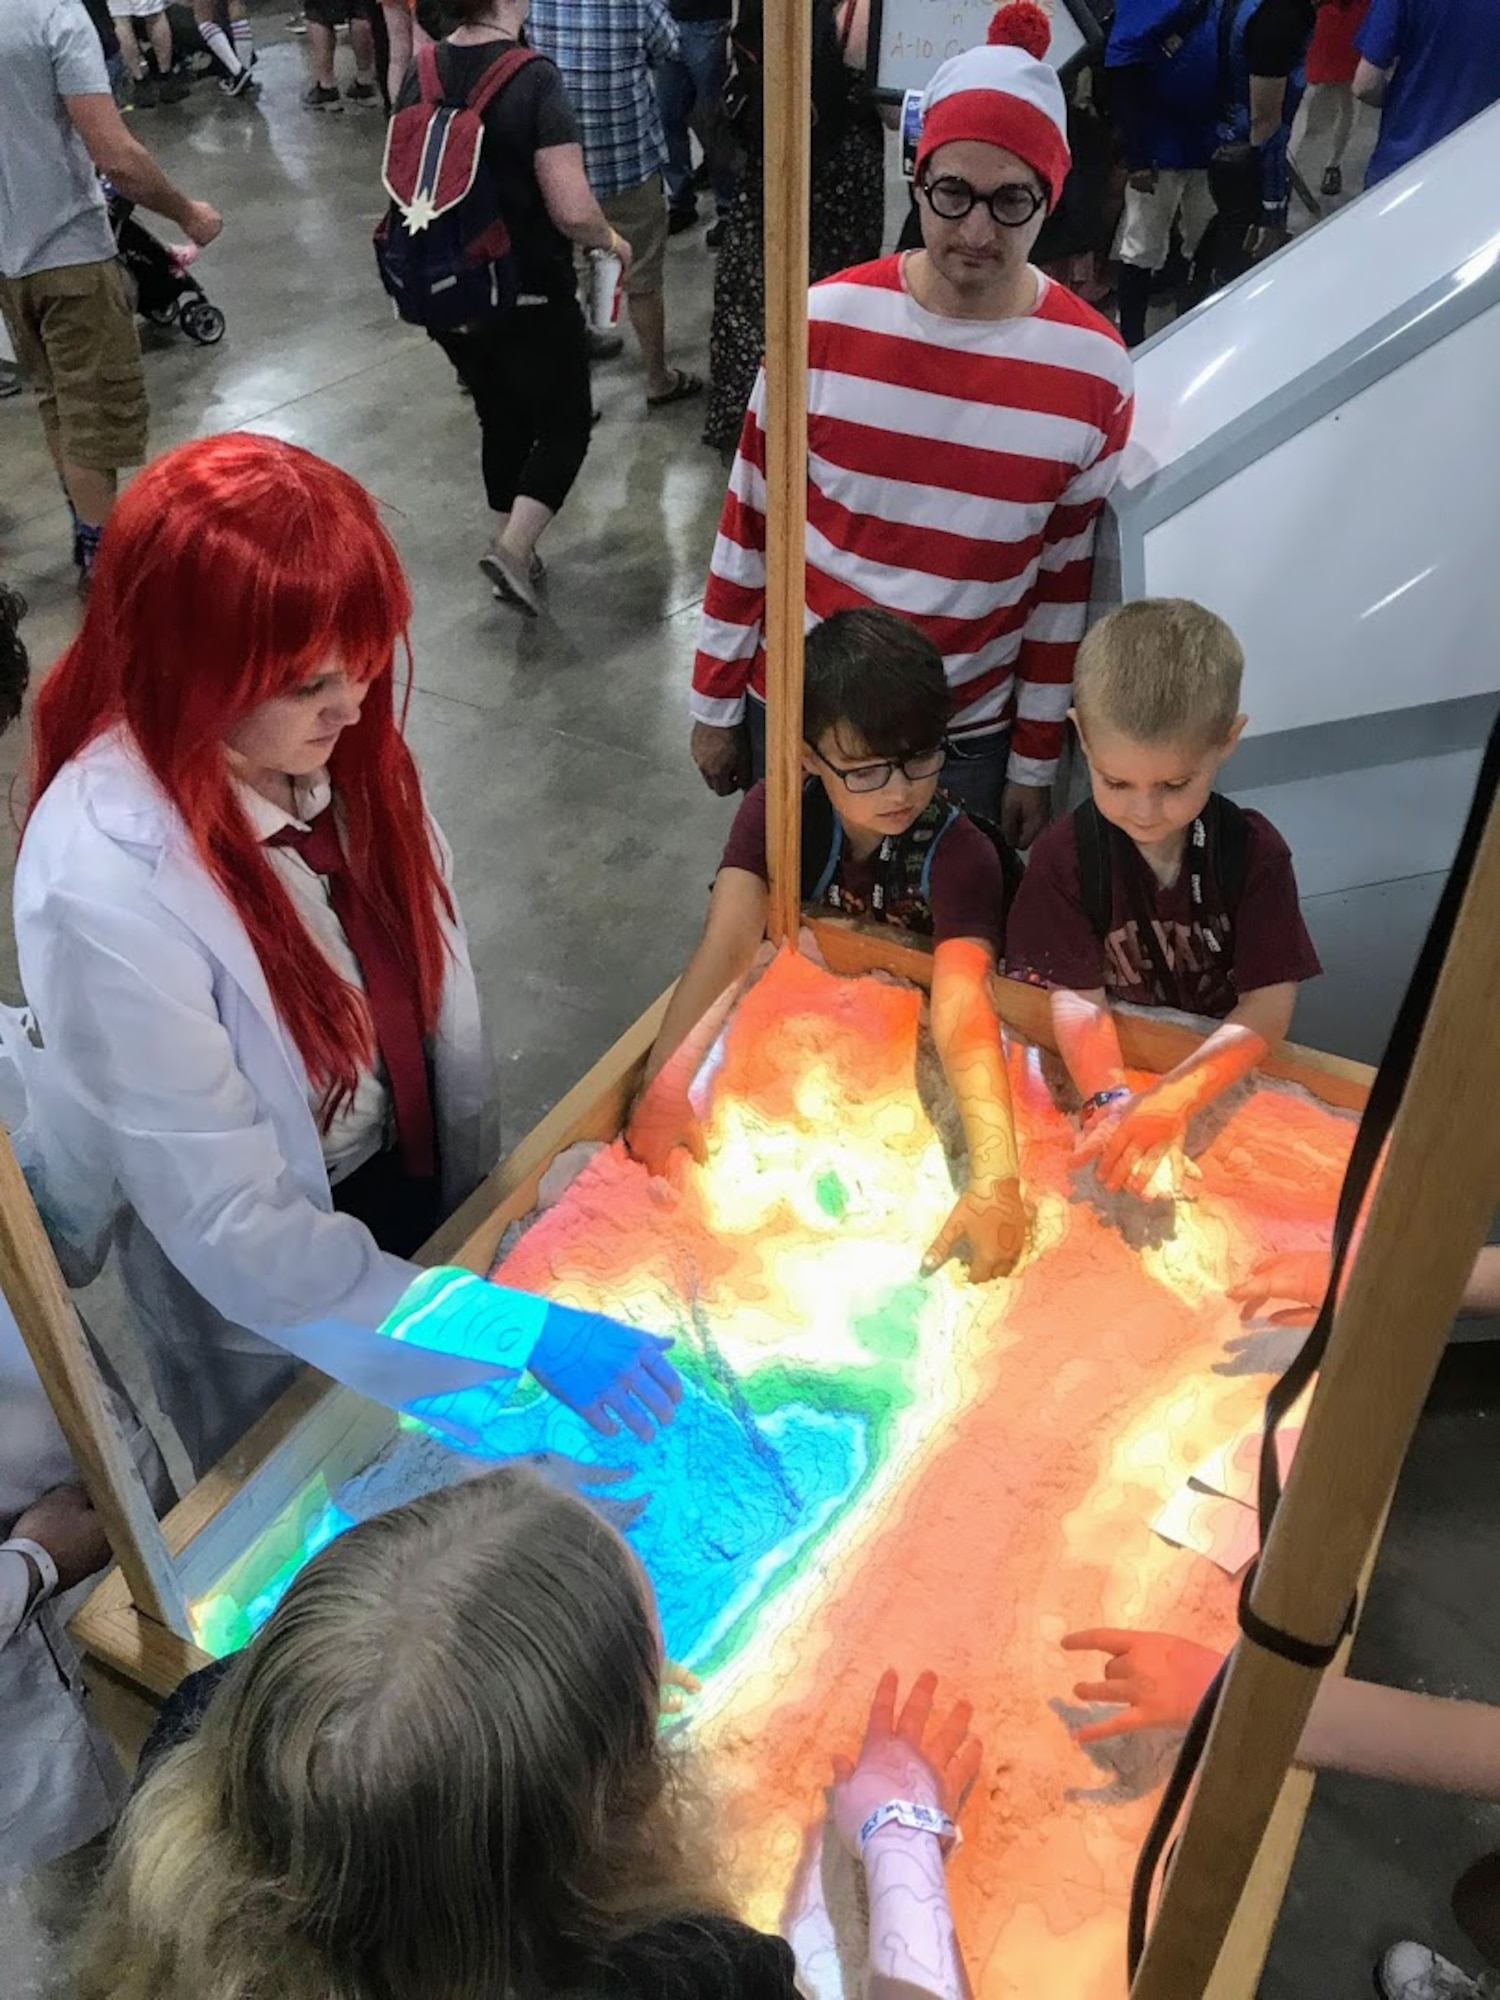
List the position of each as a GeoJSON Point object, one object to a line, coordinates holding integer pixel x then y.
{"type": "Point", "coordinates": [1447, 68]}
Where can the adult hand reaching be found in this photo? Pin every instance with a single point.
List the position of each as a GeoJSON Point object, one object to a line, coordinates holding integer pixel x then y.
{"type": "Point", "coordinates": [896, 1763]}
{"type": "Point", "coordinates": [989, 1219]}
{"type": "Point", "coordinates": [720, 756]}
{"type": "Point", "coordinates": [1300, 1277]}
{"type": "Point", "coordinates": [1157, 1680]}
{"type": "Point", "coordinates": [609, 1373]}
{"type": "Point", "coordinates": [1024, 811]}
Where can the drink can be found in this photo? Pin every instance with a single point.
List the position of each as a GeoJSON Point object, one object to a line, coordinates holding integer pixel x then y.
{"type": "Point", "coordinates": [605, 270]}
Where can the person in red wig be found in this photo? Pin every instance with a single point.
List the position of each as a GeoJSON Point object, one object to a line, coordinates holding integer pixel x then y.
{"type": "Point", "coordinates": [259, 1067]}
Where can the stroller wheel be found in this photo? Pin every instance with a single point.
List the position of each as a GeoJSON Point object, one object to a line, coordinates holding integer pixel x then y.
{"type": "Point", "coordinates": [161, 315]}
{"type": "Point", "coordinates": [202, 322]}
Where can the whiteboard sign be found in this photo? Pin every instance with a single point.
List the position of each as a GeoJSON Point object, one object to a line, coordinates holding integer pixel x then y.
{"type": "Point", "coordinates": [910, 39]}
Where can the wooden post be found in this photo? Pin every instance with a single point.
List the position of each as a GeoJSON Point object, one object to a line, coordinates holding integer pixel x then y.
{"type": "Point", "coordinates": [59, 1349]}
{"type": "Point", "coordinates": [1428, 1218]}
{"type": "Point", "coordinates": [787, 39]}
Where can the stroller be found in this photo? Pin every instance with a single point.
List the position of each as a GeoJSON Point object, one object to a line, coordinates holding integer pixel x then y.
{"type": "Point", "coordinates": [164, 293]}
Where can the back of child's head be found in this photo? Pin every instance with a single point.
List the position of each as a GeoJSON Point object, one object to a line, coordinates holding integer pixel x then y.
{"type": "Point", "coordinates": [15, 668]}
{"type": "Point", "coordinates": [435, 1775]}
{"type": "Point", "coordinates": [1160, 670]}
{"type": "Point", "coordinates": [874, 675]}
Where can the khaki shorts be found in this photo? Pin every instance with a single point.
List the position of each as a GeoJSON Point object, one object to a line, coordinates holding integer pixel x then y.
{"type": "Point", "coordinates": [640, 215]}
{"type": "Point", "coordinates": [75, 339]}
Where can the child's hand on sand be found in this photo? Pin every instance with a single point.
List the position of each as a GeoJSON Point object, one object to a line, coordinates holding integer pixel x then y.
{"type": "Point", "coordinates": [1300, 1277]}
{"type": "Point", "coordinates": [1158, 1681]}
{"type": "Point", "coordinates": [663, 1120]}
{"type": "Point", "coordinates": [896, 1763]}
{"type": "Point", "coordinates": [1130, 1145]}
{"type": "Point", "coordinates": [989, 1219]}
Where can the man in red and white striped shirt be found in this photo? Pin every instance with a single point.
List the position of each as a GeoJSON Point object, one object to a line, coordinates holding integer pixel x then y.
{"type": "Point", "coordinates": [966, 417]}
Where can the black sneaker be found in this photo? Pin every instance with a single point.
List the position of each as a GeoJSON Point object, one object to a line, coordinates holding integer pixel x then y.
{"type": "Point", "coordinates": [146, 93]}
{"type": "Point", "coordinates": [605, 346]}
{"type": "Point", "coordinates": [712, 238]}
{"type": "Point", "coordinates": [173, 89]}
{"type": "Point", "coordinates": [680, 219]}
{"type": "Point", "coordinates": [362, 93]}
{"type": "Point", "coordinates": [242, 80]}
{"type": "Point", "coordinates": [320, 99]}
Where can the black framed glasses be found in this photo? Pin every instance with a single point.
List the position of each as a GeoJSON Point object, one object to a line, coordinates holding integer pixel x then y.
{"type": "Point", "coordinates": [875, 777]}
{"type": "Point", "coordinates": [1012, 204]}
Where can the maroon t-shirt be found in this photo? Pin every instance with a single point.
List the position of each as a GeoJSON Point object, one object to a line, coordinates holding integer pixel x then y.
{"type": "Point", "coordinates": [965, 888]}
{"type": "Point", "coordinates": [1215, 959]}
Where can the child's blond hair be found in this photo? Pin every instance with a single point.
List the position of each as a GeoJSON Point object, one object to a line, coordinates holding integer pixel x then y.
{"type": "Point", "coordinates": [1161, 670]}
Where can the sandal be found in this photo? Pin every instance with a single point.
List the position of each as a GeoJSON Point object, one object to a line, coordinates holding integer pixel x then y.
{"type": "Point", "coordinates": [684, 385]}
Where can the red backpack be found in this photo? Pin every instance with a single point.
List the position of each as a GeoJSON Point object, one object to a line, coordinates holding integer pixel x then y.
{"type": "Point", "coordinates": [443, 248]}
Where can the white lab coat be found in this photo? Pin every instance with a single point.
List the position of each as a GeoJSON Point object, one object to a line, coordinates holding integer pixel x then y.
{"type": "Point", "coordinates": [171, 1111]}
{"type": "Point", "coordinates": [60, 1783]}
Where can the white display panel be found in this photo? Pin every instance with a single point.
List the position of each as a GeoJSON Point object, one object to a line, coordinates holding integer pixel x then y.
{"type": "Point", "coordinates": [916, 36]}
{"type": "Point", "coordinates": [1358, 560]}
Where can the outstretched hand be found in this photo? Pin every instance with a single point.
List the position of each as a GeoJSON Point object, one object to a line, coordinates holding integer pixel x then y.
{"type": "Point", "coordinates": [1300, 1277]}
{"type": "Point", "coordinates": [898, 1760]}
{"type": "Point", "coordinates": [609, 1373]}
{"type": "Point", "coordinates": [989, 1221]}
{"type": "Point", "coordinates": [1156, 1680]}
{"type": "Point", "coordinates": [1129, 1146]}
{"type": "Point", "coordinates": [663, 1120]}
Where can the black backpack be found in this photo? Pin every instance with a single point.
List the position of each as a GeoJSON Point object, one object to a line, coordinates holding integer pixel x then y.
{"type": "Point", "coordinates": [905, 881]}
{"type": "Point", "coordinates": [1226, 847]}
{"type": "Point", "coordinates": [835, 89]}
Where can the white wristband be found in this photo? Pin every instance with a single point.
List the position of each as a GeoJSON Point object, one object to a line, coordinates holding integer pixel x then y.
{"type": "Point", "coordinates": [921, 1819]}
{"type": "Point", "coordinates": [46, 1567]}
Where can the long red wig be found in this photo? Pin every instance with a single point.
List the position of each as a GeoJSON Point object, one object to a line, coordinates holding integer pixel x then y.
{"type": "Point", "coordinates": [233, 570]}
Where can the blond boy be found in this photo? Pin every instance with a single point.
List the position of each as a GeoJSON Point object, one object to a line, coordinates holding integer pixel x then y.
{"type": "Point", "coordinates": [1158, 891]}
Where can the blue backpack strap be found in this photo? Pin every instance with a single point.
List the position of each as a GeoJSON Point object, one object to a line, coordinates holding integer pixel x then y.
{"type": "Point", "coordinates": [822, 841]}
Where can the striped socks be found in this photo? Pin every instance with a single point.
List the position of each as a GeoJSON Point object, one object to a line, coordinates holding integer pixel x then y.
{"type": "Point", "coordinates": [244, 42]}
{"type": "Point", "coordinates": [219, 45]}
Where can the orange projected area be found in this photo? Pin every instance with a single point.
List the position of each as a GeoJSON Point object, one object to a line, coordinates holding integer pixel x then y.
{"type": "Point", "coordinates": [875, 1468]}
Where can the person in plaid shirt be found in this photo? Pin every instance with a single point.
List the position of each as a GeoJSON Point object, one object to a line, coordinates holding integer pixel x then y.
{"type": "Point", "coordinates": [605, 50]}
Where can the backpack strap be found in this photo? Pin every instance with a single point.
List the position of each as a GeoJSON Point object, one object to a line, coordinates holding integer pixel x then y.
{"type": "Point", "coordinates": [1095, 886]}
{"type": "Point", "coordinates": [1011, 871]}
{"type": "Point", "coordinates": [429, 77]}
{"type": "Point", "coordinates": [1227, 838]}
{"type": "Point", "coordinates": [822, 841]}
{"type": "Point", "coordinates": [925, 883]}
{"type": "Point", "coordinates": [497, 76]}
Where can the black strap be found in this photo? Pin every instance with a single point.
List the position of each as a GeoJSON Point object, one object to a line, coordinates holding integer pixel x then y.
{"type": "Point", "coordinates": [1384, 1101]}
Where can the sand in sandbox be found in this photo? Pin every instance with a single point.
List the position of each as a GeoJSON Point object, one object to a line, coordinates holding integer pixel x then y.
{"type": "Point", "coordinates": [934, 1475]}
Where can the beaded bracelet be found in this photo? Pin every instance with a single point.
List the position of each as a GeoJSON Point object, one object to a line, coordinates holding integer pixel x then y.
{"type": "Point", "coordinates": [905, 1812]}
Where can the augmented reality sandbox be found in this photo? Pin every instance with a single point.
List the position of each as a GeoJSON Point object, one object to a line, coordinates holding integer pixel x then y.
{"type": "Point", "coordinates": [871, 1467]}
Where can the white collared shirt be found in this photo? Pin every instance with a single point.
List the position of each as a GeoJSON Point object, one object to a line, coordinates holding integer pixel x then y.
{"type": "Point", "coordinates": [364, 1127]}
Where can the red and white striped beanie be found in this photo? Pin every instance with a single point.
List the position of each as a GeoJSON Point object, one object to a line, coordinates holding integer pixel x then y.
{"type": "Point", "coordinates": [1004, 94]}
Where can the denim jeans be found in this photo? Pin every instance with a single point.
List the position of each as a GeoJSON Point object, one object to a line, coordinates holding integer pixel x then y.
{"type": "Point", "coordinates": [695, 77]}
{"type": "Point", "coordinates": [973, 775]}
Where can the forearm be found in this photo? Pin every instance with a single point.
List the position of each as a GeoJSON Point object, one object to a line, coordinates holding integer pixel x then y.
{"type": "Point", "coordinates": [713, 968]}
{"type": "Point", "coordinates": [966, 1029]}
{"type": "Point", "coordinates": [136, 175]}
{"type": "Point", "coordinates": [1232, 1051]}
{"type": "Point", "coordinates": [734, 598]}
{"type": "Point", "coordinates": [914, 1946]}
{"type": "Point", "coordinates": [1088, 1041]}
{"type": "Point", "coordinates": [1409, 1739]}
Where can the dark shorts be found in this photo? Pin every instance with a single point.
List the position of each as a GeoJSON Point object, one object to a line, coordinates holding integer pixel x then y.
{"type": "Point", "coordinates": [334, 13]}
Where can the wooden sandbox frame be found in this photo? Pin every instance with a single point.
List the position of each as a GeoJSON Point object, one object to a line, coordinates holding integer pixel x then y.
{"type": "Point", "coordinates": [1426, 1221]}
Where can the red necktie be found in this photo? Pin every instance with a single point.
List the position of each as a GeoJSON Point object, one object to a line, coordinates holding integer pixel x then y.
{"type": "Point", "coordinates": [388, 987]}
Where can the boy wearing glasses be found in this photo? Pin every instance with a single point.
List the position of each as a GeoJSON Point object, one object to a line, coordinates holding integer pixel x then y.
{"type": "Point", "coordinates": [1158, 891]}
{"type": "Point", "coordinates": [966, 417]}
{"type": "Point", "coordinates": [879, 840]}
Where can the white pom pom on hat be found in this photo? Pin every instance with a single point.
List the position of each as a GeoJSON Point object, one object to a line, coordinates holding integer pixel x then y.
{"type": "Point", "coordinates": [1004, 94]}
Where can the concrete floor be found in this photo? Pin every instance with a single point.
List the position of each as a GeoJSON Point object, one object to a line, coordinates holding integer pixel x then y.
{"type": "Point", "coordinates": [555, 755]}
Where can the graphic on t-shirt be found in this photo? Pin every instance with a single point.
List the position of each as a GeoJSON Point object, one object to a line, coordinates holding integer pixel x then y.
{"type": "Point", "coordinates": [1195, 954]}
{"type": "Point", "coordinates": [875, 1468]}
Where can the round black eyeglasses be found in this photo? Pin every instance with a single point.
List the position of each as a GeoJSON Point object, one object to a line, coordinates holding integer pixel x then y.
{"type": "Point", "coordinates": [1012, 204]}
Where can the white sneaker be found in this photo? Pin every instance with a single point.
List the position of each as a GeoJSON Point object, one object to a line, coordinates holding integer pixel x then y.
{"type": "Point", "coordinates": [1416, 1972]}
